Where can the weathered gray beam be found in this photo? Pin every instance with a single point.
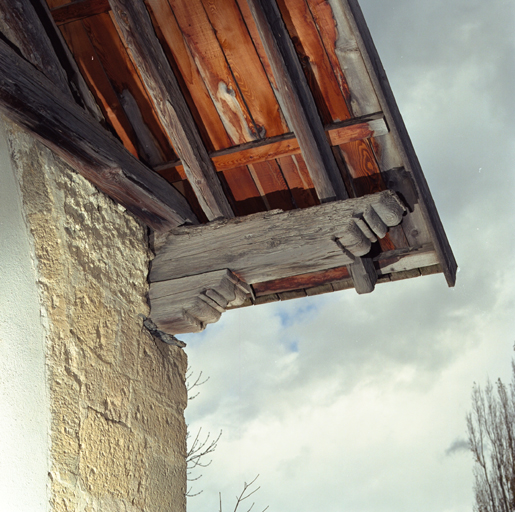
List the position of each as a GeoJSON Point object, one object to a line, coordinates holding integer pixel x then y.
{"type": "Point", "coordinates": [276, 244]}
{"type": "Point", "coordinates": [400, 134]}
{"type": "Point", "coordinates": [30, 99]}
{"type": "Point", "coordinates": [363, 275]}
{"type": "Point", "coordinates": [135, 26]}
{"type": "Point", "coordinates": [30, 27]}
{"type": "Point", "coordinates": [297, 101]}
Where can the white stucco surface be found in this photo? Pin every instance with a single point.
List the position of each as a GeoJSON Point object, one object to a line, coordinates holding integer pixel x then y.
{"type": "Point", "coordinates": [24, 403]}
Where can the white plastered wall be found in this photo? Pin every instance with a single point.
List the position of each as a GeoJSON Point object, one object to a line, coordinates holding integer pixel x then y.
{"type": "Point", "coordinates": [24, 402]}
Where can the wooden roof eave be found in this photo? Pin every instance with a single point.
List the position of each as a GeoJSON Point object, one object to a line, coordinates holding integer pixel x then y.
{"type": "Point", "coordinates": [32, 100]}
{"type": "Point", "coordinates": [400, 134]}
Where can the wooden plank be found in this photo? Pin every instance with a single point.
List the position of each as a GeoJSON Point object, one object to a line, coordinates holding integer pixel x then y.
{"type": "Point", "coordinates": [311, 280]}
{"type": "Point", "coordinates": [190, 303]}
{"type": "Point", "coordinates": [344, 53]}
{"type": "Point", "coordinates": [244, 191]}
{"type": "Point", "coordinates": [20, 23]}
{"type": "Point", "coordinates": [363, 275]}
{"type": "Point", "coordinates": [297, 101]}
{"type": "Point", "coordinates": [79, 10]}
{"type": "Point", "coordinates": [297, 294]}
{"type": "Point", "coordinates": [299, 181]}
{"type": "Point", "coordinates": [406, 259]}
{"type": "Point", "coordinates": [401, 137]}
{"type": "Point", "coordinates": [123, 76]}
{"type": "Point", "coordinates": [271, 185]}
{"type": "Point", "coordinates": [317, 67]}
{"type": "Point", "coordinates": [272, 245]}
{"type": "Point", "coordinates": [319, 290]}
{"type": "Point", "coordinates": [201, 105]}
{"type": "Point", "coordinates": [285, 145]}
{"type": "Point", "coordinates": [211, 62]}
{"type": "Point", "coordinates": [30, 99]}
{"type": "Point", "coordinates": [90, 67]}
{"type": "Point", "coordinates": [135, 25]}
{"type": "Point", "coordinates": [241, 55]}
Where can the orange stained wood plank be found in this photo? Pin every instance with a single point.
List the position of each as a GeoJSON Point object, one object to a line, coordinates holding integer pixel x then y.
{"type": "Point", "coordinates": [246, 198]}
{"type": "Point", "coordinates": [86, 57]}
{"type": "Point", "coordinates": [323, 15]}
{"type": "Point", "coordinates": [201, 105]}
{"type": "Point", "coordinates": [79, 10]}
{"type": "Point", "coordinates": [253, 31]}
{"type": "Point", "coordinates": [210, 59]}
{"type": "Point", "coordinates": [270, 149]}
{"type": "Point", "coordinates": [315, 62]}
{"type": "Point", "coordinates": [301, 281]}
{"type": "Point", "coordinates": [299, 181]}
{"type": "Point", "coordinates": [124, 77]}
{"type": "Point", "coordinates": [237, 45]}
{"type": "Point", "coordinates": [272, 185]}
{"type": "Point", "coordinates": [366, 175]}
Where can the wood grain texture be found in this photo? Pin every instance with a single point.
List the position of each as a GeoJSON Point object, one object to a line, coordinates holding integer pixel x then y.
{"type": "Point", "coordinates": [297, 101]}
{"type": "Point", "coordinates": [31, 100]}
{"type": "Point", "coordinates": [190, 303]}
{"type": "Point", "coordinates": [284, 145]}
{"type": "Point", "coordinates": [133, 21]}
{"type": "Point", "coordinates": [202, 107]}
{"type": "Point", "coordinates": [246, 67]}
{"type": "Point", "coordinates": [91, 68]}
{"type": "Point", "coordinates": [20, 23]}
{"type": "Point", "coordinates": [299, 181]}
{"type": "Point", "coordinates": [401, 137]}
{"type": "Point", "coordinates": [300, 281]}
{"type": "Point", "coordinates": [79, 10]}
{"type": "Point", "coordinates": [122, 74]}
{"type": "Point", "coordinates": [216, 73]}
{"type": "Point", "coordinates": [363, 274]}
{"type": "Point", "coordinates": [272, 186]}
{"type": "Point", "coordinates": [315, 62]}
{"type": "Point", "coordinates": [273, 245]}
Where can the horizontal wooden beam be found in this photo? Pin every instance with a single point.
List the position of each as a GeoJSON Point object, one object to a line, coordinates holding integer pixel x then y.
{"type": "Point", "coordinates": [284, 145]}
{"type": "Point", "coordinates": [30, 99]}
{"type": "Point", "coordinates": [297, 101]}
{"type": "Point", "coordinates": [188, 304]}
{"type": "Point", "coordinates": [276, 244]}
{"type": "Point", "coordinates": [79, 10]}
{"type": "Point", "coordinates": [134, 23]}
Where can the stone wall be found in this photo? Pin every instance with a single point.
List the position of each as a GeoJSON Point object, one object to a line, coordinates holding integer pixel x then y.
{"type": "Point", "coordinates": [118, 437]}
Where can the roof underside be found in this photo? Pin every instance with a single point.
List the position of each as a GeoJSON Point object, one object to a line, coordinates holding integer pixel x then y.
{"type": "Point", "coordinates": [219, 57]}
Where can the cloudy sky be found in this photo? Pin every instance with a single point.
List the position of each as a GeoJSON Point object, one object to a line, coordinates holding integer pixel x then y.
{"type": "Point", "coordinates": [357, 403]}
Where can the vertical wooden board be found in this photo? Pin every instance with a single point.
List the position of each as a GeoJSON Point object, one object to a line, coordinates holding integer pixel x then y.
{"type": "Point", "coordinates": [210, 60]}
{"type": "Point", "coordinates": [234, 38]}
{"type": "Point", "coordinates": [317, 67]}
{"type": "Point", "coordinates": [202, 107]}
{"type": "Point", "coordinates": [246, 198]}
{"type": "Point", "coordinates": [124, 77]}
{"type": "Point", "coordinates": [271, 185]}
{"type": "Point", "coordinates": [299, 181]}
{"type": "Point", "coordinates": [86, 57]}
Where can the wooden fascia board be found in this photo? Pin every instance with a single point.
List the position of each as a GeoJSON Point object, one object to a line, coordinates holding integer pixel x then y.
{"type": "Point", "coordinates": [135, 26]}
{"type": "Point", "coordinates": [398, 130]}
{"type": "Point", "coordinates": [277, 244]}
{"type": "Point", "coordinates": [359, 128]}
{"type": "Point", "coordinates": [297, 101]}
{"type": "Point", "coordinates": [31, 100]}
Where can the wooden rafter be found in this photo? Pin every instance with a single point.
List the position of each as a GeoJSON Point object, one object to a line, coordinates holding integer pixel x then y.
{"type": "Point", "coordinates": [79, 10]}
{"type": "Point", "coordinates": [135, 26]}
{"type": "Point", "coordinates": [297, 100]}
{"type": "Point", "coordinates": [33, 101]}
